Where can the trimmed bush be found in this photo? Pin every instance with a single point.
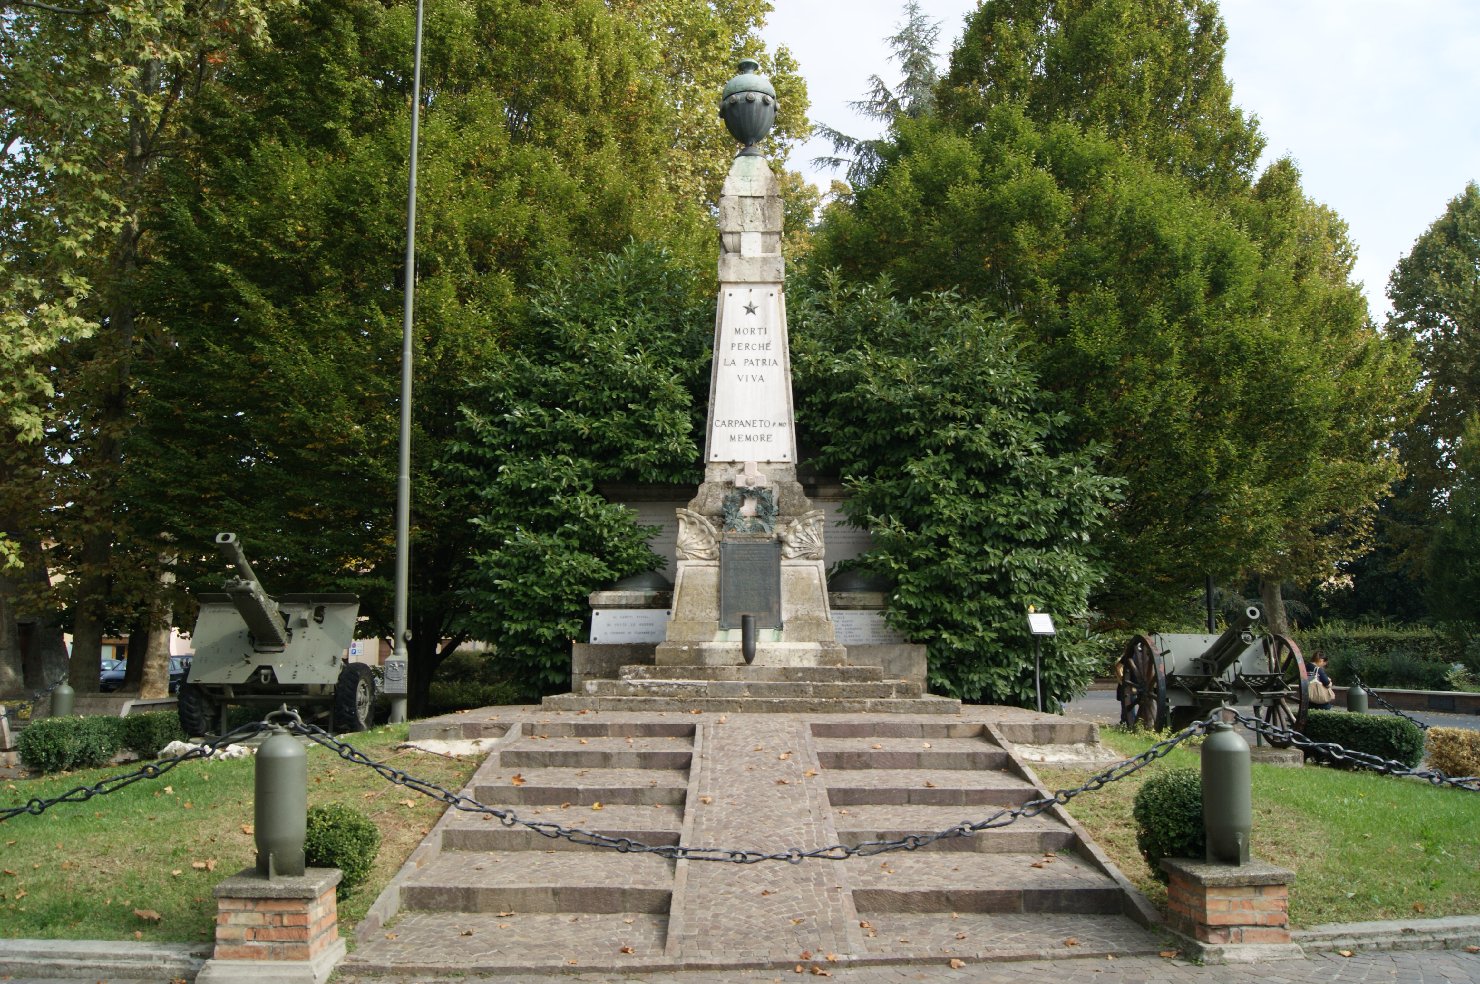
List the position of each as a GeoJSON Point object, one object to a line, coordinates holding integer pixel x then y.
{"type": "Point", "coordinates": [1392, 738]}
{"type": "Point", "coordinates": [66, 743]}
{"type": "Point", "coordinates": [1407, 658]}
{"type": "Point", "coordinates": [1169, 818]}
{"type": "Point", "coordinates": [342, 837]}
{"type": "Point", "coordinates": [146, 734]}
{"type": "Point", "coordinates": [1454, 751]}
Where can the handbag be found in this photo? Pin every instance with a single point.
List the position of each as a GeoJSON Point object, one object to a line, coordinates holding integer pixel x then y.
{"type": "Point", "coordinates": [1318, 692]}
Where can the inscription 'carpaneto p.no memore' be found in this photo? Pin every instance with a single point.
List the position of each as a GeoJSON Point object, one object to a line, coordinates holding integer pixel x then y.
{"type": "Point", "coordinates": [751, 383]}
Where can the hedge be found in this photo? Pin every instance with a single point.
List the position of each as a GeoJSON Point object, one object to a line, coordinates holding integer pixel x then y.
{"type": "Point", "coordinates": [1391, 738]}
{"type": "Point", "coordinates": [1412, 658]}
{"type": "Point", "coordinates": [342, 837]}
{"type": "Point", "coordinates": [1169, 818]}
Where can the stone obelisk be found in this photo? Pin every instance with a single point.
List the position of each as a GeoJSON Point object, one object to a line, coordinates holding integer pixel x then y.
{"type": "Point", "coordinates": [750, 545]}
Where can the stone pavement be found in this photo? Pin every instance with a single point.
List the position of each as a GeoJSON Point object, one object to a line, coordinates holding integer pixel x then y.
{"type": "Point", "coordinates": [482, 896]}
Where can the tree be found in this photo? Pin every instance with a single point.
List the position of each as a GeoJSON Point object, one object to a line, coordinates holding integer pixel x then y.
{"type": "Point", "coordinates": [548, 139]}
{"type": "Point", "coordinates": [599, 386]}
{"type": "Point", "coordinates": [977, 506]}
{"type": "Point", "coordinates": [1148, 73]}
{"type": "Point", "coordinates": [1435, 292]}
{"type": "Point", "coordinates": [1201, 331]}
{"type": "Point", "coordinates": [1454, 556]}
{"type": "Point", "coordinates": [913, 48]}
{"type": "Point", "coordinates": [93, 106]}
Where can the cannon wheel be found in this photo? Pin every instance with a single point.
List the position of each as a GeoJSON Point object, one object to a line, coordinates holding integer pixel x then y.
{"type": "Point", "coordinates": [1143, 686]}
{"type": "Point", "coordinates": [196, 709]}
{"type": "Point", "coordinates": [354, 698]}
{"type": "Point", "coordinates": [1288, 709]}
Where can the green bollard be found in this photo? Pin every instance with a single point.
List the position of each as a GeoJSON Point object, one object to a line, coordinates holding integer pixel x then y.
{"type": "Point", "coordinates": [1356, 698]}
{"type": "Point", "coordinates": [281, 807]}
{"type": "Point", "coordinates": [1228, 807]}
{"type": "Point", "coordinates": [61, 700]}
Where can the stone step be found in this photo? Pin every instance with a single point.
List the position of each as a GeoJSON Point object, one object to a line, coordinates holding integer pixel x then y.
{"type": "Point", "coordinates": [805, 674]}
{"type": "Point", "coordinates": [826, 690]}
{"type": "Point", "coordinates": [652, 825]}
{"type": "Point", "coordinates": [925, 728]}
{"type": "Point", "coordinates": [955, 881]}
{"type": "Point", "coordinates": [456, 944]}
{"type": "Point", "coordinates": [1006, 936]}
{"type": "Point", "coordinates": [640, 728]}
{"type": "Point", "coordinates": [1027, 835]}
{"type": "Point", "coordinates": [580, 787]}
{"type": "Point", "coordinates": [909, 753]}
{"type": "Point", "coordinates": [597, 753]}
{"type": "Point", "coordinates": [754, 705]}
{"type": "Point", "coordinates": [929, 787]}
{"type": "Point", "coordinates": [564, 881]}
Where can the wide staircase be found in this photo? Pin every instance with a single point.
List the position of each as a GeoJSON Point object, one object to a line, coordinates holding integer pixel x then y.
{"type": "Point", "coordinates": [489, 896]}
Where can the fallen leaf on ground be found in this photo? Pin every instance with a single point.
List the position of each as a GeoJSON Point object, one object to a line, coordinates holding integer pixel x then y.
{"type": "Point", "coordinates": [805, 955]}
{"type": "Point", "coordinates": [466, 932]}
{"type": "Point", "coordinates": [1345, 953]}
{"type": "Point", "coordinates": [1472, 949]}
{"type": "Point", "coordinates": [810, 773]}
{"type": "Point", "coordinates": [1167, 954]}
{"type": "Point", "coordinates": [408, 803]}
{"type": "Point", "coordinates": [597, 806]}
{"type": "Point", "coordinates": [148, 915]}
{"type": "Point", "coordinates": [960, 936]}
{"type": "Point", "coordinates": [625, 949]}
{"type": "Point", "coordinates": [957, 964]}
{"type": "Point", "coordinates": [876, 746]}
{"type": "Point", "coordinates": [1071, 941]}
{"type": "Point", "coordinates": [1419, 907]}
{"type": "Point", "coordinates": [248, 829]}
{"type": "Point", "coordinates": [706, 800]}
{"type": "Point", "coordinates": [819, 972]}
{"type": "Point", "coordinates": [517, 779]}
{"type": "Point", "coordinates": [176, 873]}
{"type": "Point", "coordinates": [783, 756]}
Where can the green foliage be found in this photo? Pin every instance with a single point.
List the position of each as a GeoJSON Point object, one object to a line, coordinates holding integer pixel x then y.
{"type": "Point", "coordinates": [342, 837]}
{"type": "Point", "coordinates": [977, 511]}
{"type": "Point", "coordinates": [1169, 818]}
{"type": "Point", "coordinates": [596, 388]}
{"type": "Point", "coordinates": [146, 734]}
{"type": "Point", "coordinates": [1453, 563]}
{"type": "Point", "coordinates": [469, 679]}
{"type": "Point", "coordinates": [1388, 737]}
{"type": "Point", "coordinates": [1412, 658]}
{"type": "Point", "coordinates": [1201, 331]}
{"type": "Point", "coordinates": [66, 743]}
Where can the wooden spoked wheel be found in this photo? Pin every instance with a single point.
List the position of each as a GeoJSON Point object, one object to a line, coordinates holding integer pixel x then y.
{"type": "Point", "coordinates": [1143, 685]}
{"type": "Point", "coordinates": [1283, 702]}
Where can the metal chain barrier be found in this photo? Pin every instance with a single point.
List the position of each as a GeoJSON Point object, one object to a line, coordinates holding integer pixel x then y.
{"type": "Point", "coordinates": [35, 698]}
{"type": "Point", "coordinates": [836, 852]}
{"type": "Point", "coordinates": [1365, 760]}
{"type": "Point", "coordinates": [1378, 699]}
{"type": "Point", "coordinates": [155, 769]}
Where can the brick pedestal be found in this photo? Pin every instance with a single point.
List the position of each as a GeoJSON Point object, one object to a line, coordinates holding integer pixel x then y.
{"type": "Point", "coordinates": [1228, 904]}
{"type": "Point", "coordinates": [282, 930]}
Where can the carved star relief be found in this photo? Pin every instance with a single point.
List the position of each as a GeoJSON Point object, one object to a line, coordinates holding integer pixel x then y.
{"type": "Point", "coordinates": [750, 308]}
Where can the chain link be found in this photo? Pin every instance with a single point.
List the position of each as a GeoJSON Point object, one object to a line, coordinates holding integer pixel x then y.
{"type": "Point", "coordinates": [155, 769]}
{"type": "Point", "coordinates": [1336, 753]}
{"type": "Point", "coordinates": [836, 852]}
{"type": "Point", "coordinates": [1378, 699]}
{"type": "Point", "coordinates": [31, 701]}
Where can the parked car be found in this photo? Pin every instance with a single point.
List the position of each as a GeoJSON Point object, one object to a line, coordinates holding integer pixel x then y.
{"type": "Point", "coordinates": [112, 677]}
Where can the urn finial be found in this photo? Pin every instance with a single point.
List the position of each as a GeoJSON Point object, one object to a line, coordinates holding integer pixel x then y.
{"type": "Point", "coordinates": [748, 106]}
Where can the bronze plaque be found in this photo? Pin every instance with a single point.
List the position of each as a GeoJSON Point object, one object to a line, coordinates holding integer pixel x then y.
{"type": "Point", "coordinates": [750, 584]}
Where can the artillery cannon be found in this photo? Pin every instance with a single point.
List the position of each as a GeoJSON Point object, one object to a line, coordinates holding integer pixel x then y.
{"type": "Point", "coordinates": [251, 648]}
{"type": "Point", "coordinates": [1170, 680]}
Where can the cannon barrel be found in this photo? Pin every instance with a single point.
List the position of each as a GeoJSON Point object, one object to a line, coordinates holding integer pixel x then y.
{"type": "Point", "coordinates": [1226, 648]}
{"type": "Point", "coordinates": [252, 602]}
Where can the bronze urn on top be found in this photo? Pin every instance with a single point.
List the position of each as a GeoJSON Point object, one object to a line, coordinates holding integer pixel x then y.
{"type": "Point", "coordinates": [748, 106]}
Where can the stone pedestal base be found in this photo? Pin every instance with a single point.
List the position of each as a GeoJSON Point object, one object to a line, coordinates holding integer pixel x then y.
{"type": "Point", "coordinates": [278, 930]}
{"type": "Point", "coordinates": [1228, 904]}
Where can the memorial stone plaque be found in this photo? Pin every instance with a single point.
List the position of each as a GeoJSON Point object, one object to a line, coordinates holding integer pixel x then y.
{"type": "Point", "coordinates": [750, 583]}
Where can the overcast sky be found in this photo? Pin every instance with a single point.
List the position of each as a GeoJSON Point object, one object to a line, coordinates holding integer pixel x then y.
{"type": "Point", "coordinates": [1378, 101]}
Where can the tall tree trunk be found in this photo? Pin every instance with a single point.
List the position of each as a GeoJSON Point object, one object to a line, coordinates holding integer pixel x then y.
{"type": "Point", "coordinates": [12, 654]}
{"type": "Point", "coordinates": [1275, 619]}
{"type": "Point", "coordinates": [155, 681]}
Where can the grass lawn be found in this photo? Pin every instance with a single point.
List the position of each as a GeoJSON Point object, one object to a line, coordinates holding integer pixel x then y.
{"type": "Point", "coordinates": [85, 870]}
{"type": "Point", "coordinates": [1362, 846]}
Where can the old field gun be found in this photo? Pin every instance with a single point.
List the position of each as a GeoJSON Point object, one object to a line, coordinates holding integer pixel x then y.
{"type": "Point", "coordinates": [1172, 679]}
{"type": "Point", "coordinates": [253, 649]}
